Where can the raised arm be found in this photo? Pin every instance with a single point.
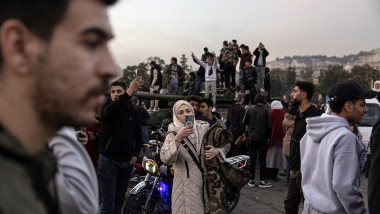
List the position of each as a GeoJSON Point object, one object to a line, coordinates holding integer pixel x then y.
{"type": "Point", "coordinates": [200, 62]}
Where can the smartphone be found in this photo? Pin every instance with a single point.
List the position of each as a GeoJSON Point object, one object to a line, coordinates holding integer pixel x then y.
{"type": "Point", "coordinates": [189, 119]}
{"type": "Point", "coordinates": [80, 134]}
{"type": "Point", "coordinates": [140, 73]}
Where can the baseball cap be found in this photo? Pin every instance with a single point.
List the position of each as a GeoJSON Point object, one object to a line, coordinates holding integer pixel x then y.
{"type": "Point", "coordinates": [349, 89]}
{"type": "Point", "coordinates": [238, 96]}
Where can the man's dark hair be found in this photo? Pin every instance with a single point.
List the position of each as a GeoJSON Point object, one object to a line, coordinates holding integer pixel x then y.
{"type": "Point", "coordinates": [307, 87]}
{"type": "Point", "coordinates": [40, 17]}
{"type": "Point", "coordinates": [152, 63]}
{"type": "Point", "coordinates": [208, 102]}
{"type": "Point", "coordinates": [246, 48]}
{"type": "Point", "coordinates": [119, 83]}
{"type": "Point", "coordinates": [193, 98]}
{"type": "Point", "coordinates": [192, 74]}
{"type": "Point", "coordinates": [225, 43]}
{"type": "Point", "coordinates": [284, 104]}
{"type": "Point", "coordinates": [174, 59]}
{"type": "Point", "coordinates": [259, 99]}
{"type": "Point", "coordinates": [234, 41]}
{"type": "Point", "coordinates": [337, 106]}
{"type": "Point", "coordinates": [205, 49]}
{"type": "Point", "coordinates": [242, 45]}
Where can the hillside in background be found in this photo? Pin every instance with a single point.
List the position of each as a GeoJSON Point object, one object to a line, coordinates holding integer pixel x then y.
{"type": "Point", "coordinates": [318, 62]}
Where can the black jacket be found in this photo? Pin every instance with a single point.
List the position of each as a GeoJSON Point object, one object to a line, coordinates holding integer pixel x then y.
{"type": "Point", "coordinates": [259, 123]}
{"type": "Point", "coordinates": [256, 52]}
{"type": "Point", "coordinates": [298, 132]}
{"type": "Point", "coordinates": [142, 115]}
{"type": "Point", "coordinates": [235, 119]}
{"type": "Point", "coordinates": [249, 76]}
{"type": "Point", "coordinates": [120, 136]}
{"type": "Point", "coordinates": [190, 85]}
{"type": "Point", "coordinates": [159, 76]}
{"type": "Point", "coordinates": [374, 172]}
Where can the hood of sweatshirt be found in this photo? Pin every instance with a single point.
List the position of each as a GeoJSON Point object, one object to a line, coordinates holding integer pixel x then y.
{"type": "Point", "coordinates": [318, 127]}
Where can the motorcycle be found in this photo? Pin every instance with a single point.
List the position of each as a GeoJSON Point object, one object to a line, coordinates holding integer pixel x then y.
{"type": "Point", "coordinates": [151, 150]}
{"type": "Point", "coordinates": [153, 195]}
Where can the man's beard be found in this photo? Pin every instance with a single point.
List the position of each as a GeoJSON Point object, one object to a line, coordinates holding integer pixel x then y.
{"type": "Point", "coordinates": [52, 106]}
{"type": "Point", "coordinates": [296, 102]}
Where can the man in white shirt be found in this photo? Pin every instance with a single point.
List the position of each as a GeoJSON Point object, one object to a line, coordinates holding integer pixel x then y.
{"type": "Point", "coordinates": [210, 75]}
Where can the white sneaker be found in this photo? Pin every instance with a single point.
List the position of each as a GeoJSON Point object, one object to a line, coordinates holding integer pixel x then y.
{"type": "Point", "coordinates": [213, 109]}
{"type": "Point", "coordinates": [252, 183]}
{"type": "Point", "coordinates": [150, 109]}
{"type": "Point", "coordinates": [262, 90]}
{"type": "Point", "coordinates": [156, 109]}
{"type": "Point", "coordinates": [264, 184]}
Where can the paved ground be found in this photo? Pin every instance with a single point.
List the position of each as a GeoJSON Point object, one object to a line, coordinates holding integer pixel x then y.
{"type": "Point", "coordinates": [254, 200]}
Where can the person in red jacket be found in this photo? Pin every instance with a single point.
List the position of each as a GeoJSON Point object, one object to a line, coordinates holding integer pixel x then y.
{"type": "Point", "coordinates": [275, 159]}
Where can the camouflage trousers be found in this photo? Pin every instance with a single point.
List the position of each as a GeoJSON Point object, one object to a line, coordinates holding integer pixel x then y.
{"type": "Point", "coordinates": [216, 192]}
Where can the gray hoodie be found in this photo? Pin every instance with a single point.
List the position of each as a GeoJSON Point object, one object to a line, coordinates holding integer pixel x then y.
{"type": "Point", "coordinates": [76, 180]}
{"type": "Point", "coordinates": [330, 159]}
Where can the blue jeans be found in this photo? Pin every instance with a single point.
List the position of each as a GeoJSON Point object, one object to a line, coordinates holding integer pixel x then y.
{"type": "Point", "coordinates": [188, 93]}
{"type": "Point", "coordinates": [145, 135]}
{"type": "Point", "coordinates": [198, 83]}
{"type": "Point", "coordinates": [113, 180]}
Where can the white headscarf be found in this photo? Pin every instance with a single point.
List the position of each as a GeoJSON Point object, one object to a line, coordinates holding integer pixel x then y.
{"type": "Point", "coordinates": [176, 106]}
{"type": "Point", "coordinates": [276, 105]}
{"type": "Point", "coordinates": [179, 124]}
{"type": "Point", "coordinates": [378, 90]}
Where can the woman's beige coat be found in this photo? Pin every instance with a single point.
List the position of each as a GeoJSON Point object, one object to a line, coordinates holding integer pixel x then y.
{"type": "Point", "coordinates": [188, 184]}
{"type": "Point", "coordinates": [287, 126]}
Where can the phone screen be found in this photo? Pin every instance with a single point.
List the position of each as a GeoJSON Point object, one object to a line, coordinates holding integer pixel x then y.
{"type": "Point", "coordinates": [140, 73]}
{"type": "Point", "coordinates": [189, 119]}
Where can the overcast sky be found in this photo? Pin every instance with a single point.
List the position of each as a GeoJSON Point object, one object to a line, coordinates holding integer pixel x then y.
{"type": "Point", "coordinates": [167, 28]}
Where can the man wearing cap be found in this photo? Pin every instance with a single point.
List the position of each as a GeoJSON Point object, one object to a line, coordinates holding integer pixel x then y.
{"type": "Point", "coordinates": [331, 153]}
{"type": "Point", "coordinates": [234, 123]}
{"type": "Point", "coordinates": [249, 78]}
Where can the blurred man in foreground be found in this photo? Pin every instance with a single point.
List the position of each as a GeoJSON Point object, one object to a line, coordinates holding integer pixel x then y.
{"type": "Point", "coordinates": [54, 57]}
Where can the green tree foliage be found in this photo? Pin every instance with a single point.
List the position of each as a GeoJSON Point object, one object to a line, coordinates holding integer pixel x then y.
{"type": "Point", "coordinates": [130, 73]}
{"type": "Point", "coordinates": [282, 81]}
{"type": "Point", "coordinates": [365, 75]}
{"type": "Point", "coordinates": [307, 74]}
{"type": "Point", "coordinates": [183, 63]}
{"type": "Point", "coordinates": [278, 77]}
{"type": "Point", "coordinates": [330, 76]}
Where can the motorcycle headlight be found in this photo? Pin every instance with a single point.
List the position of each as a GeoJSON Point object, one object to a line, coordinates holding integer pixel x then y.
{"type": "Point", "coordinates": [151, 167]}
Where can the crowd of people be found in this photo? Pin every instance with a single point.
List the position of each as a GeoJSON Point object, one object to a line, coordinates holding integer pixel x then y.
{"type": "Point", "coordinates": [216, 71]}
{"type": "Point", "coordinates": [55, 68]}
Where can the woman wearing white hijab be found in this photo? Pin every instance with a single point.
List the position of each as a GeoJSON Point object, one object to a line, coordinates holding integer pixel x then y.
{"type": "Point", "coordinates": [189, 193]}
{"type": "Point", "coordinates": [275, 159]}
{"type": "Point", "coordinates": [376, 86]}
